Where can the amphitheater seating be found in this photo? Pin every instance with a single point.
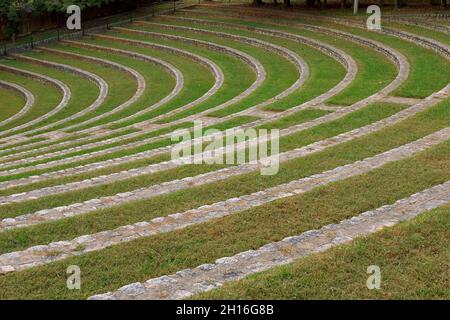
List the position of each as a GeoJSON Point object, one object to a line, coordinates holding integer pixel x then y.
{"type": "Point", "coordinates": [87, 179]}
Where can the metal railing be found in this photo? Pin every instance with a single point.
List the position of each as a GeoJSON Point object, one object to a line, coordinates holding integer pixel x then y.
{"type": "Point", "coordinates": [92, 26]}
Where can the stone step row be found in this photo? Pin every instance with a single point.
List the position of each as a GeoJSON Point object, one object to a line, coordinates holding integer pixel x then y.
{"type": "Point", "coordinates": [189, 282]}
{"type": "Point", "coordinates": [327, 107]}
{"type": "Point", "coordinates": [401, 100]}
{"type": "Point", "coordinates": [176, 185]}
{"type": "Point", "coordinates": [211, 66]}
{"type": "Point", "coordinates": [59, 85]}
{"type": "Point", "coordinates": [345, 59]}
{"type": "Point", "coordinates": [421, 23]}
{"type": "Point", "coordinates": [140, 82]}
{"type": "Point", "coordinates": [25, 93]}
{"type": "Point", "coordinates": [43, 254]}
{"type": "Point", "coordinates": [179, 83]}
{"type": "Point", "coordinates": [403, 73]}
{"type": "Point", "coordinates": [440, 48]}
{"type": "Point", "coordinates": [92, 77]}
{"type": "Point", "coordinates": [248, 59]}
{"type": "Point", "coordinates": [294, 58]}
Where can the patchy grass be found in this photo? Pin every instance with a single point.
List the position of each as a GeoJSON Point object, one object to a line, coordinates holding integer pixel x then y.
{"type": "Point", "coordinates": [167, 253]}
{"type": "Point", "coordinates": [412, 256]}
{"type": "Point", "coordinates": [325, 72]}
{"type": "Point", "coordinates": [349, 152]}
{"type": "Point", "coordinates": [357, 119]}
{"type": "Point", "coordinates": [10, 103]}
{"type": "Point", "coordinates": [374, 70]}
{"type": "Point", "coordinates": [273, 63]}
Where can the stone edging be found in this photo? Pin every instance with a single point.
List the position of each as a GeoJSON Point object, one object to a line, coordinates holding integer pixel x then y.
{"type": "Point", "coordinates": [59, 85]}
{"type": "Point", "coordinates": [28, 96]}
{"type": "Point", "coordinates": [175, 185]}
{"type": "Point", "coordinates": [178, 87]}
{"type": "Point", "coordinates": [98, 81]}
{"type": "Point", "coordinates": [43, 254]}
{"type": "Point", "coordinates": [188, 282]}
{"type": "Point", "coordinates": [215, 70]}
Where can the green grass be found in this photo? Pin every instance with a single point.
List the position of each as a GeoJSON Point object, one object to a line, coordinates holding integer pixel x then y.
{"type": "Point", "coordinates": [167, 253]}
{"type": "Point", "coordinates": [238, 76]}
{"type": "Point", "coordinates": [47, 97]}
{"type": "Point", "coordinates": [424, 32]}
{"type": "Point", "coordinates": [10, 103]}
{"type": "Point", "coordinates": [158, 143]}
{"type": "Point", "coordinates": [197, 80]}
{"type": "Point", "coordinates": [412, 256]}
{"type": "Point", "coordinates": [357, 119]}
{"type": "Point", "coordinates": [93, 149]}
{"type": "Point", "coordinates": [427, 67]}
{"type": "Point", "coordinates": [374, 70]}
{"type": "Point", "coordinates": [273, 63]}
{"type": "Point", "coordinates": [321, 65]}
{"type": "Point", "coordinates": [122, 85]}
{"type": "Point", "coordinates": [83, 91]}
{"type": "Point", "coordinates": [429, 71]}
{"type": "Point", "coordinates": [364, 85]}
{"type": "Point", "coordinates": [325, 72]}
{"type": "Point", "coordinates": [121, 167]}
{"type": "Point", "coordinates": [159, 83]}
{"type": "Point", "coordinates": [294, 119]}
{"type": "Point", "coordinates": [349, 152]}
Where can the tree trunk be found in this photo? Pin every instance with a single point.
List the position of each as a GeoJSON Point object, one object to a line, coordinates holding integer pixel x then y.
{"type": "Point", "coordinates": [257, 2]}
{"type": "Point", "coordinates": [343, 3]}
{"type": "Point", "coordinates": [275, 2]}
{"type": "Point", "coordinates": [287, 3]}
{"type": "Point", "coordinates": [355, 6]}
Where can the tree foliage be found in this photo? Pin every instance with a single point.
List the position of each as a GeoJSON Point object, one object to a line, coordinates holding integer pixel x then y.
{"type": "Point", "coordinates": [12, 11]}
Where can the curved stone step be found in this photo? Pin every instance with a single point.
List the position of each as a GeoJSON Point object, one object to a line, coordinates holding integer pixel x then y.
{"type": "Point", "coordinates": [99, 82]}
{"type": "Point", "coordinates": [28, 96]}
{"type": "Point", "coordinates": [215, 70]}
{"type": "Point", "coordinates": [43, 254]}
{"type": "Point", "coordinates": [188, 282]}
{"type": "Point", "coordinates": [62, 87]}
{"type": "Point", "coordinates": [178, 87]}
{"type": "Point", "coordinates": [176, 185]}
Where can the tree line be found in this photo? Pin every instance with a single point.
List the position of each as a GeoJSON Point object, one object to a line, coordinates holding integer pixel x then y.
{"type": "Point", "coordinates": [14, 13]}
{"type": "Point", "coordinates": [345, 3]}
